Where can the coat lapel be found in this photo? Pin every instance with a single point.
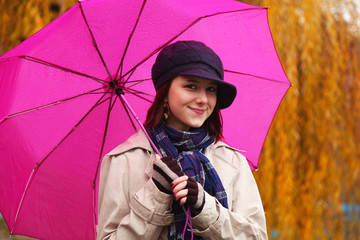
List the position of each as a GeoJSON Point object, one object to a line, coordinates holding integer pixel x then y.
{"type": "Point", "coordinates": [220, 158]}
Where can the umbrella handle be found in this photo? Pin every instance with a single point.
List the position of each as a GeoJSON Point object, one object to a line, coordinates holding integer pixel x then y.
{"type": "Point", "coordinates": [122, 97]}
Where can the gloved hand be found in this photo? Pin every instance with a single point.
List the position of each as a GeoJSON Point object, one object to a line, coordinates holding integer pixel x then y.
{"type": "Point", "coordinates": [196, 196]}
{"type": "Point", "coordinates": [189, 193]}
{"type": "Point", "coordinates": [165, 171]}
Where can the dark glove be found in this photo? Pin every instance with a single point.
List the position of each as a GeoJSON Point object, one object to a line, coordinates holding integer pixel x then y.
{"type": "Point", "coordinates": [165, 171]}
{"type": "Point", "coordinates": [195, 197]}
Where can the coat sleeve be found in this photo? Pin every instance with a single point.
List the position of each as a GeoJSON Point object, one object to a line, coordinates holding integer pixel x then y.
{"type": "Point", "coordinates": [245, 219]}
{"type": "Point", "coordinates": [130, 205]}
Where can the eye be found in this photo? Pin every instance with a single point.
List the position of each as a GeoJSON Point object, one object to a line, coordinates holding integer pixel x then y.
{"type": "Point", "coordinates": [190, 86]}
{"type": "Point", "coordinates": [212, 89]}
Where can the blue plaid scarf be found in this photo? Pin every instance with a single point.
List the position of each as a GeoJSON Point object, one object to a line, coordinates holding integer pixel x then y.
{"type": "Point", "coordinates": [188, 147]}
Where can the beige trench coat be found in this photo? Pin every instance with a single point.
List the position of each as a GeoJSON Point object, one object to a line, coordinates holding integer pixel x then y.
{"type": "Point", "coordinates": [131, 206]}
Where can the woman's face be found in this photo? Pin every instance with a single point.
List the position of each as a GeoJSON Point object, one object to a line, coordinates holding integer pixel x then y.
{"type": "Point", "coordinates": [191, 101]}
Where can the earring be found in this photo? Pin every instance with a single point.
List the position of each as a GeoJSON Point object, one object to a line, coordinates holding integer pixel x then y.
{"type": "Point", "coordinates": [166, 110]}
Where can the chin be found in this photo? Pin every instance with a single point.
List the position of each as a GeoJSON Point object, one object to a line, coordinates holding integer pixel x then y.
{"type": "Point", "coordinates": [196, 125]}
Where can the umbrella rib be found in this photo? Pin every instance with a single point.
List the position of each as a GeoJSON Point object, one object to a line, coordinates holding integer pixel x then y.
{"type": "Point", "coordinates": [99, 102]}
{"type": "Point", "coordinates": [136, 82]}
{"type": "Point", "coordinates": [36, 60]}
{"type": "Point", "coordinates": [138, 94]}
{"type": "Point", "coordinates": [38, 164]}
{"type": "Point", "coordinates": [111, 105]}
{"type": "Point", "coordinates": [252, 165]}
{"type": "Point", "coordinates": [259, 77]}
{"type": "Point", "coordinates": [94, 42]}
{"type": "Point", "coordinates": [129, 39]}
{"type": "Point", "coordinates": [50, 104]}
{"type": "Point", "coordinates": [22, 198]}
{"type": "Point", "coordinates": [233, 11]}
{"type": "Point", "coordinates": [131, 71]}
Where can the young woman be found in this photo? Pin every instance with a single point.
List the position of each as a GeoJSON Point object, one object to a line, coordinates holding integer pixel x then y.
{"type": "Point", "coordinates": [144, 196]}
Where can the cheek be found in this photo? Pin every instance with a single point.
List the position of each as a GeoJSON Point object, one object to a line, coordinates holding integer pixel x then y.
{"type": "Point", "coordinates": [176, 102]}
{"type": "Point", "coordinates": [174, 98]}
{"type": "Point", "coordinates": [212, 101]}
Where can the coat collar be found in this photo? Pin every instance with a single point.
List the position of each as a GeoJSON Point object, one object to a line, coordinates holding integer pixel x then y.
{"type": "Point", "coordinates": [216, 153]}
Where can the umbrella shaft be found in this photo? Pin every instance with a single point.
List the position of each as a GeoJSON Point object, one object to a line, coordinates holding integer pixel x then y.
{"type": "Point", "coordinates": [139, 122]}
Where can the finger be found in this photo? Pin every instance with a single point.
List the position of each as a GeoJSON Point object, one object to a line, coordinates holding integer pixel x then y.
{"type": "Point", "coordinates": [179, 180]}
{"type": "Point", "coordinates": [157, 157]}
{"type": "Point", "coordinates": [183, 201]}
{"type": "Point", "coordinates": [179, 187]}
{"type": "Point", "coordinates": [181, 194]}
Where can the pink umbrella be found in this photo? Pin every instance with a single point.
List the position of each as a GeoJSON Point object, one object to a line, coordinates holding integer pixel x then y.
{"type": "Point", "coordinates": [60, 112]}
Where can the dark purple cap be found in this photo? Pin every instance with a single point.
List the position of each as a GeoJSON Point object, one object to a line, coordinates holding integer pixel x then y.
{"type": "Point", "coordinates": [192, 58]}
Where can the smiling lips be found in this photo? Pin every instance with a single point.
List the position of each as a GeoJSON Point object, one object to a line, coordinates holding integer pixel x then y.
{"type": "Point", "coordinates": [198, 111]}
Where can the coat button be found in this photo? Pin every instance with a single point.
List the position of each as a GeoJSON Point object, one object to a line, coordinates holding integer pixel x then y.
{"type": "Point", "coordinates": [168, 220]}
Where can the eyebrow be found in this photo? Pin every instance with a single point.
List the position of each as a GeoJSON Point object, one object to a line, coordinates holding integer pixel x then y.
{"type": "Point", "coordinates": [196, 81]}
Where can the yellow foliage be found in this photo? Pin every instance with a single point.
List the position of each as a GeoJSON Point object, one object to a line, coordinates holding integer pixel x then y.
{"type": "Point", "coordinates": [309, 170]}
{"type": "Point", "coordinates": [19, 19]}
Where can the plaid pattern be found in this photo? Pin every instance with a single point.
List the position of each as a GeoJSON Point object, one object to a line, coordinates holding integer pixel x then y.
{"type": "Point", "coordinates": [188, 148]}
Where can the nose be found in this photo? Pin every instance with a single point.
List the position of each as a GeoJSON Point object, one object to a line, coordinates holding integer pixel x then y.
{"type": "Point", "coordinates": [202, 97]}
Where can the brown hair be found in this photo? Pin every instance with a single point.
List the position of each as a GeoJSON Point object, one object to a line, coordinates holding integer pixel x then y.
{"type": "Point", "coordinates": [213, 125]}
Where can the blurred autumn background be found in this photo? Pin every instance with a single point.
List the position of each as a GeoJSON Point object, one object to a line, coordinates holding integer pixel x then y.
{"type": "Point", "coordinates": [309, 173]}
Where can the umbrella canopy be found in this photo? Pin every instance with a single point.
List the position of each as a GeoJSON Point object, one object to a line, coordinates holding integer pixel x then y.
{"type": "Point", "coordinates": [60, 114]}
